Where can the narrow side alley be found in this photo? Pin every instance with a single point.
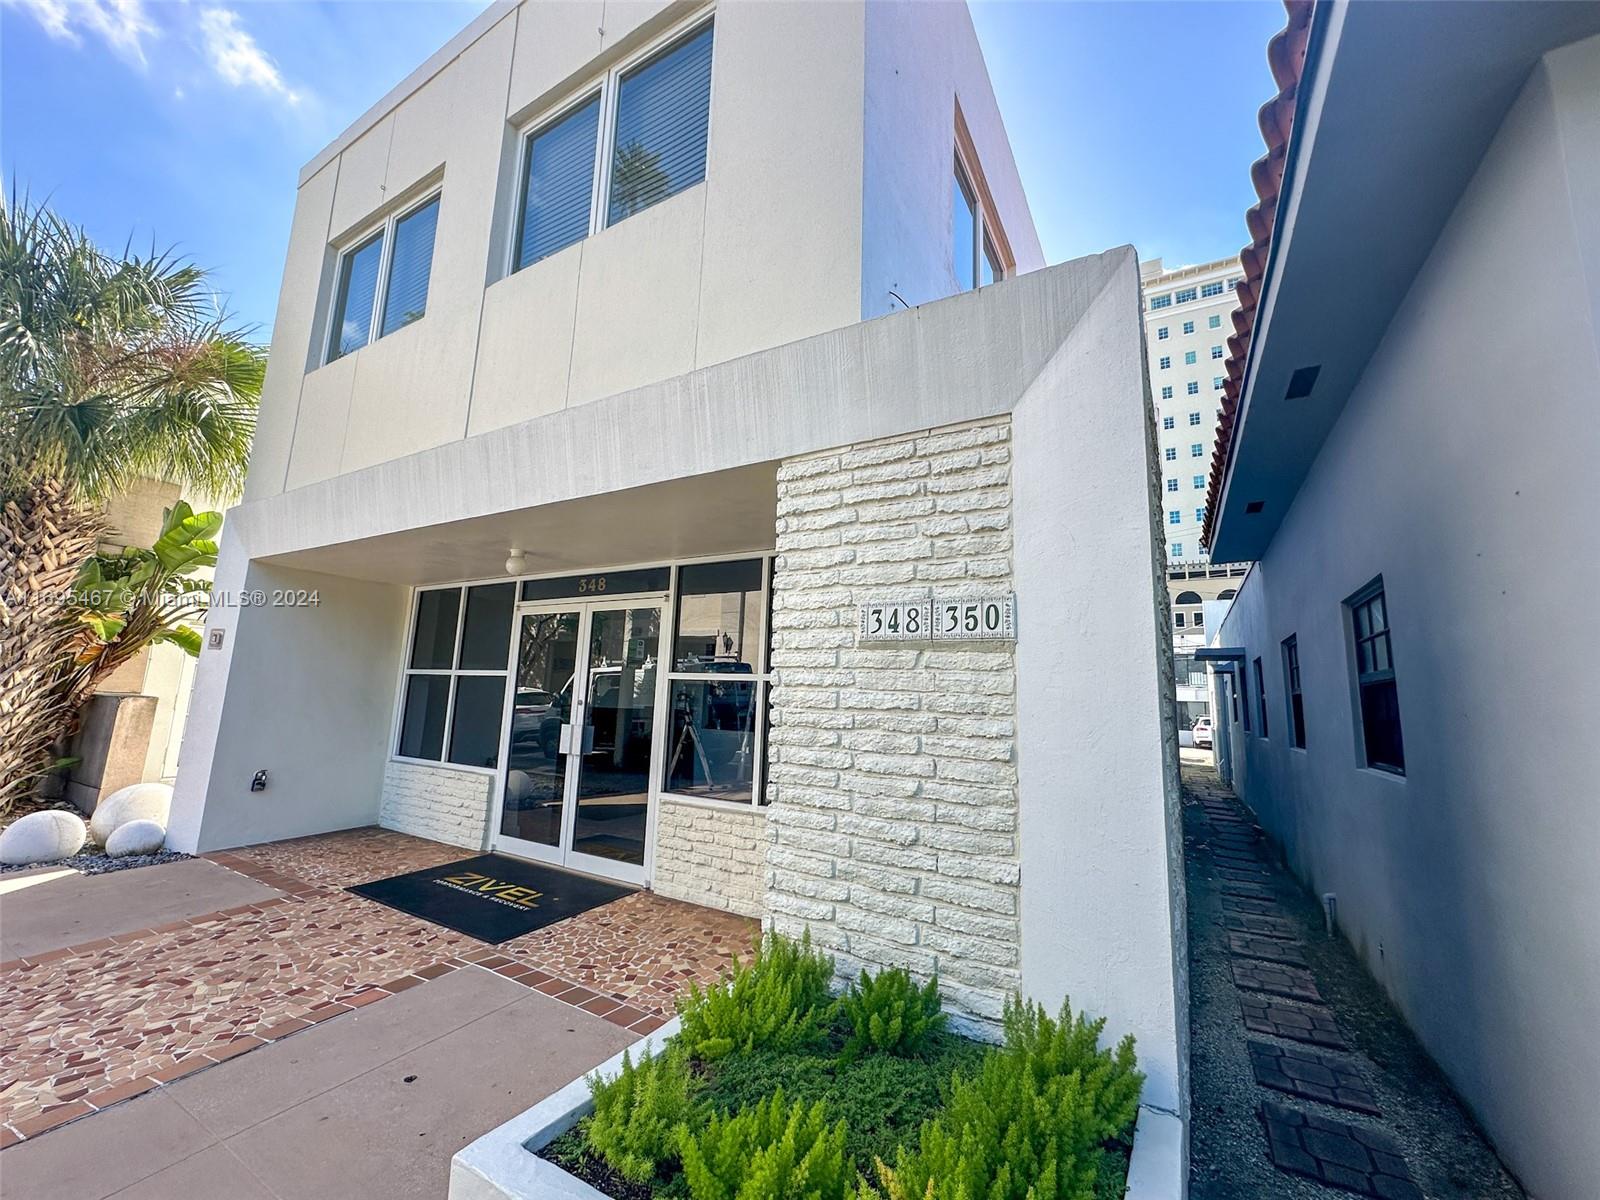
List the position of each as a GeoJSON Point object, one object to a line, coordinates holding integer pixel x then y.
{"type": "Point", "coordinates": [1306, 1083]}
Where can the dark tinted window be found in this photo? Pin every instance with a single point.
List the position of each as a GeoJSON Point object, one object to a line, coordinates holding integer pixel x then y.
{"type": "Point", "coordinates": [422, 722]}
{"type": "Point", "coordinates": [475, 724]}
{"type": "Point", "coordinates": [486, 629]}
{"type": "Point", "coordinates": [433, 642]}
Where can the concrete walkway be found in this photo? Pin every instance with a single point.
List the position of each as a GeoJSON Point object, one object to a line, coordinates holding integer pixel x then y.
{"type": "Point", "coordinates": [72, 909]}
{"type": "Point", "coordinates": [1305, 1084]}
{"type": "Point", "coordinates": [370, 1104]}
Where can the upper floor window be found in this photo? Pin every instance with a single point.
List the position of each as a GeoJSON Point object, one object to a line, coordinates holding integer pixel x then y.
{"type": "Point", "coordinates": [1199, 481]}
{"type": "Point", "coordinates": [1194, 418]}
{"type": "Point", "coordinates": [1168, 422]}
{"type": "Point", "coordinates": [1172, 485]}
{"type": "Point", "coordinates": [1216, 352]}
{"type": "Point", "coordinates": [1161, 334]}
{"type": "Point", "coordinates": [1175, 549]}
{"type": "Point", "coordinates": [1166, 362]}
{"type": "Point", "coordinates": [1196, 450]}
{"type": "Point", "coordinates": [1186, 295]}
{"type": "Point", "coordinates": [1381, 743]}
{"type": "Point", "coordinates": [1188, 358]}
{"type": "Point", "coordinates": [1174, 517]}
{"type": "Point", "coordinates": [1214, 321]}
{"type": "Point", "coordinates": [1192, 388]}
{"type": "Point", "coordinates": [1161, 301]}
{"type": "Point", "coordinates": [1188, 326]}
{"type": "Point", "coordinates": [652, 145]}
{"type": "Point", "coordinates": [1211, 289]}
{"type": "Point", "coordinates": [1166, 392]}
{"type": "Point", "coordinates": [973, 251]}
{"type": "Point", "coordinates": [1216, 383]}
{"type": "Point", "coordinates": [1171, 453]}
{"type": "Point", "coordinates": [383, 279]}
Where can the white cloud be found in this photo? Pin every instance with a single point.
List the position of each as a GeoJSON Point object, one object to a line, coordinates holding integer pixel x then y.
{"type": "Point", "coordinates": [121, 24]}
{"type": "Point", "coordinates": [235, 56]}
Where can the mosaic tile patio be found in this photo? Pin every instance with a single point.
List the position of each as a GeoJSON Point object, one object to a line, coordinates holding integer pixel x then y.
{"type": "Point", "coordinates": [92, 1025]}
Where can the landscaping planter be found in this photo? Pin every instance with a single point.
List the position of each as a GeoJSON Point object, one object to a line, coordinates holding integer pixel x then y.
{"type": "Point", "coordinates": [504, 1163]}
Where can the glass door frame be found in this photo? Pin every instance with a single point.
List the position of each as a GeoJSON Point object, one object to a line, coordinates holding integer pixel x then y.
{"type": "Point", "coordinates": [562, 855]}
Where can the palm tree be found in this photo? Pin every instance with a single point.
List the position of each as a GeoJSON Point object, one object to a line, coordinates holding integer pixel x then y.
{"type": "Point", "coordinates": [112, 368]}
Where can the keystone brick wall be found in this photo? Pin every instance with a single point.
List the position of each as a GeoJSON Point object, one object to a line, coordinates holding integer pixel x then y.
{"type": "Point", "coordinates": [712, 856]}
{"type": "Point", "coordinates": [892, 825]}
{"type": "Point", "coordinates": [437, 803]}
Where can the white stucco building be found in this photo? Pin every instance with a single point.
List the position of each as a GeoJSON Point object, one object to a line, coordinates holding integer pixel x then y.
{"type": "Point", "coordinates": [1411, 431]}
{"type": "Point", "coordinates": [1188, 318]}
{"type": "Point", "coordinates": [596, 419]}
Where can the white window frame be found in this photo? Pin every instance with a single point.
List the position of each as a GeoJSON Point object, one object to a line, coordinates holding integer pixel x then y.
{"type": "Point", "coordinates": [762, 678]}
{"type": "Point", "coordinates": [607, 84]}
{"type": "Point", "coordinates": [380, 292]}
{"type": "Point", "coordinates": [407, 671]}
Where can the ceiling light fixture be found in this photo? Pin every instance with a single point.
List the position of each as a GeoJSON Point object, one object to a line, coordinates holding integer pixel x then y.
{"type": "Point", "coordinates": [516, 562]}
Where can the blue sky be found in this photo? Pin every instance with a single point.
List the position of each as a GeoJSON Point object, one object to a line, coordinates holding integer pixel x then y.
{"type": "Point", "coordinates": [185, 122]}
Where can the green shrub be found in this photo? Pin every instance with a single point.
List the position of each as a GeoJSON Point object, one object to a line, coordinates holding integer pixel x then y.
{"type": "Point", "coordinates": [1031, 1123]}
{"type": "Point", "coordinates": [769, 1151]}
{"type": "Point", "coordinates": [882, 1099]}
{"type": "Point", "coordinates": [780, 1000]}
{"type": "Point", "coordinates": [889, 1014]}
{"type": "Point", "coordinates": [638, 1115]}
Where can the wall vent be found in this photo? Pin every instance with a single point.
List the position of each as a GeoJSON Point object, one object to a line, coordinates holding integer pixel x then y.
{"type": "Point", "coordinates": [1254, 506]}
{"type": "Point", "coordinates": [1302, 381]}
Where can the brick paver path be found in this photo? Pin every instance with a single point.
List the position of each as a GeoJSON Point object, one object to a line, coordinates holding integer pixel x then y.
{"type": "Point", "coordinates": [88, 1026]}
{"type": "Point", "coordinates": [1290, 1102]}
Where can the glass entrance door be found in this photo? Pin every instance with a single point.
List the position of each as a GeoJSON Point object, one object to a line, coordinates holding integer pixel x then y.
{"type": "Point", "coordinates": [581, 737]}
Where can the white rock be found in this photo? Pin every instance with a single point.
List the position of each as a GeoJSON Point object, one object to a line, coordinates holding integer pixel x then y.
{"type": "Point", "coordinates": [139, 802]}
{"type": "Point", "coordinates": [42, 837]}
{"type": "Point", "coordinates": [136, 837]}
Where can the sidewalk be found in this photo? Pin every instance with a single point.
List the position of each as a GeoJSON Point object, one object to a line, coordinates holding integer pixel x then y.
{"type": "Point", "coordinates": [1306, 1084]}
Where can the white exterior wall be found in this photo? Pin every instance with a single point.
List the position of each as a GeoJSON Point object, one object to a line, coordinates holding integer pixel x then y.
{"type": "Point", "coordinates": [1466, 886]}
{"type": "Point", "coordinates": [892, 778]}
{"type": "Point", "coordinates": [768, 249]}
{"type": "Point", "coordinates": [441, 803]}
{"type": "Point", "coordinates": [311, 706]}
{"type": "Point", "coordinates": [711, 853]}
{"type": "Point", "coordinates": [922, 59]}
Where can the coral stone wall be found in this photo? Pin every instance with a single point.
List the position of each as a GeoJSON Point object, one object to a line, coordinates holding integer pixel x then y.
{"type": "Point", "coordinates": [711, 854]}
{"type": "Point", "coordinates": [437, 803]}
{"type": "Point", "coordinates": [892, 781]}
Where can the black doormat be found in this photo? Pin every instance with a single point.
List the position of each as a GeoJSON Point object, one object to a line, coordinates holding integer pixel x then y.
{"type": "Point", "coordinates": [491, 897]}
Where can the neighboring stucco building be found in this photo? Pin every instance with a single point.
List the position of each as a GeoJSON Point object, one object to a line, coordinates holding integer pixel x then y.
{"type": "Point", "coordinates": [1188, 318]}
{"type": "Point", "coordinates": [610, 508]}
{"type": "Point", "coordinates": [1410, 435]}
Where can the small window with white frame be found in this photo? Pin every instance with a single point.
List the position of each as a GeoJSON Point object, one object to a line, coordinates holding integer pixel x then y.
{"type": "Point", "coordinates": [382, 281]}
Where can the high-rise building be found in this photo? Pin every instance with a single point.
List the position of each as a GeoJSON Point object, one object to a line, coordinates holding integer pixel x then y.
{"type": "Point", "coordinates": [1187, 318]}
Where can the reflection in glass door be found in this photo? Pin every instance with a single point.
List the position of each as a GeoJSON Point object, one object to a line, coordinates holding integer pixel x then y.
{"type": "Point", "coordinates": [581, 735]}
{"type": "Point", "coordinates": [618, 732]}
{"type": "Point", "coordinates": [536, 762]}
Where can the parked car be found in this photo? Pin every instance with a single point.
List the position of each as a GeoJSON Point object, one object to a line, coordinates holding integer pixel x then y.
{"type": "Point", "coordinates": [1202, 733]}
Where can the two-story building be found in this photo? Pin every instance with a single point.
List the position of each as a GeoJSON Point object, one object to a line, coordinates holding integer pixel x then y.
{"type": "Point", "coordinates": [677, 464]}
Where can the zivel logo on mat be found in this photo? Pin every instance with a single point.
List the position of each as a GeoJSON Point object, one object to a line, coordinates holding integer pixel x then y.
{"type": "Point", "coordinates": [490, 888]}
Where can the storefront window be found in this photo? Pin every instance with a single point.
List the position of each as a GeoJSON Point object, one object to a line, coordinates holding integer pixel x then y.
{"type": "Point", "coordinates": [456, 675]}
{"type": "Point", "coordinates": [717, 690]}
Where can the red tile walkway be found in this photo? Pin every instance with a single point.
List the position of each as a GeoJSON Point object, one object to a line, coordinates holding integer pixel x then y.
{"type": "Point", "coordinates": [88, 1026]}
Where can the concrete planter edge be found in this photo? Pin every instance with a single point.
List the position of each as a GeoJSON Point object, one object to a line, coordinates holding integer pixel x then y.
{"type": "Point", "coordinates": [502, 1165]}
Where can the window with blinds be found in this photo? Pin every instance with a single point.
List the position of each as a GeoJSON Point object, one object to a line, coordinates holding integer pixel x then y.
{"type": "Point", "coordinates": [358, 286]}
{"type": "Point", "coordinates": [558, 184]}
{"type": "Point", "coordinates": [405, 244]}
{"type": "Point", "coordinates": [663, 113]}
{"type": "Point", "coordinates": [410, 265]}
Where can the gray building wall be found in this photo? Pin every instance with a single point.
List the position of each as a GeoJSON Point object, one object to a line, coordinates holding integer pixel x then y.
{"type": "Point", "coordinates": [1466, 885]}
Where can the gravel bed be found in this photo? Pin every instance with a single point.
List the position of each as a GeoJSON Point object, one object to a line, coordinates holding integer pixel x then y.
{"type": "Point", "coordinates": [91, 860]}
